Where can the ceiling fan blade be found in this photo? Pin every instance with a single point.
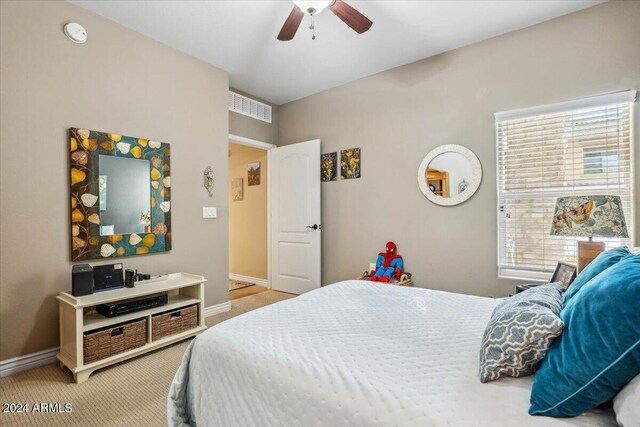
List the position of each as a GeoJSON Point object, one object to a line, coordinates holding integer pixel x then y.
{"type": "Point", "coordinates": [357, 21]}
{"type": "Point", "coordinates": [291, 25]}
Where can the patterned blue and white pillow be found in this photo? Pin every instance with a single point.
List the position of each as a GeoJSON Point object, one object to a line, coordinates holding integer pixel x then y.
{"type": "Point", "coordinates": [520, 332]}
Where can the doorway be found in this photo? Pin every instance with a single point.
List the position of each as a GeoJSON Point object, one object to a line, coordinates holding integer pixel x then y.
{"type": "Point", "coordinates": [248, 217]}
{"type": "Point", "coordinates": [274, 217]}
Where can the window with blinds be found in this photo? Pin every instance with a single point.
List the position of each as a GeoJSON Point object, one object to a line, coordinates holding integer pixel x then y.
{"type": "Point", "coordinates": [568, 149]}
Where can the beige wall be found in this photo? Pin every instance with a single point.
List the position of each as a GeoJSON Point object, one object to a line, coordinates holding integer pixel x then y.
{"type": "Point", "coordinates": [248, 127]}
{"type": "Point", "coordinates": [122, 82]}
{"type": "Point", "coordinates": [248, 217]}
{"type": "Point", "coordinates": [398, 116]}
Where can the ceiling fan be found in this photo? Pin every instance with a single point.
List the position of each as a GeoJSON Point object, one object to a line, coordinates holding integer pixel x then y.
{"type": "Point", "coordinates": [354, 19]}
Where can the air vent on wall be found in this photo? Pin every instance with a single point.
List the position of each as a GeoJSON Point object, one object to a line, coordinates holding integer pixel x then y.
{"type": "Point", "coordinates": [249, 107]}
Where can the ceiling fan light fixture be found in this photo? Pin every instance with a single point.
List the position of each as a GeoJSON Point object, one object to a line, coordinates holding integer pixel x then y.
{"type": "Point", "coordinates": [347, 14]}
{"type": "Point", "coordinates": [313, 7]}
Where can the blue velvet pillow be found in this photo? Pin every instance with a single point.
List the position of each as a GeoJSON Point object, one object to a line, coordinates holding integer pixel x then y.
{"type": "Point", "coordinates": [599, 350]}
{"type": "Point", "coordinates": [601, 263]}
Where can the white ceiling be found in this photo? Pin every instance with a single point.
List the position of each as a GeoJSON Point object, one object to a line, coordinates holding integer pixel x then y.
{"type": "Point", "coordinates": [240, 36]}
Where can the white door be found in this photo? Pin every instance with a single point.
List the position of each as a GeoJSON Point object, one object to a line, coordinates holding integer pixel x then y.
{"type": "Point", "coordinates": [295, 217]}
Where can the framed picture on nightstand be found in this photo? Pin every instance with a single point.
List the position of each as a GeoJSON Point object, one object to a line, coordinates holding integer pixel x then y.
{"type": "Point", "coordinates": [565, 273]}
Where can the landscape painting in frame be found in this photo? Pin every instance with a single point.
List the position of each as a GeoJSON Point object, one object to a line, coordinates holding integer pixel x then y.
{"type": "Point", "coordinates": [253, 173]}
{"type": "Point", "coordinates": [350, 163]}
{"type": "Point", "coordinates": [329, 167]}
{"type": "Point", "coordinates": [90, 238]}
{"type": "Point", "coordinates": [236, 190]}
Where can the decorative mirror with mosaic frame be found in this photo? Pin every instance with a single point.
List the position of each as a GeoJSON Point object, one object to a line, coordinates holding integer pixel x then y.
{"type": "Point", "coordinates": [120, 195]}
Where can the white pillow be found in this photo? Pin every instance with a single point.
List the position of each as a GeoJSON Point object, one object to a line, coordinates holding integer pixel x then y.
{"type": "Point", "coordinates": [627, 404]}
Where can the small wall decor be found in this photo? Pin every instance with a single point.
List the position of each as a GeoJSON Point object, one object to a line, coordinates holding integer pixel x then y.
{"type": "Point", "coordinates": [329, 167]}
{"type": "Point", "coordinates": [442, 168]}
{"type": "Point", "coordinates": [350, 163]}
{"type": "Point", "coordinates": [209, 180]}
{"type": "Point", "coordinates": [100, 229]}
{"type": "Point", "coordinates": [253, 172]}
{"type": "Point", "coordinates": [236, 190]}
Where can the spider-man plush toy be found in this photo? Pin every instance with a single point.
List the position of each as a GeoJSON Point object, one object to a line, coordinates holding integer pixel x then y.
{"type": "Point", "coordinates": [388, 264]}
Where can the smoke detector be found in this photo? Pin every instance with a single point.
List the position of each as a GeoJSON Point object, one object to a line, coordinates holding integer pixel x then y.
{"type": "Point", "coordinates": [75, 32]}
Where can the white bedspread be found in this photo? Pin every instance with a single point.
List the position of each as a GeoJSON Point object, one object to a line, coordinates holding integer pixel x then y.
{"type": "Point", "coordinates": [353, 354]}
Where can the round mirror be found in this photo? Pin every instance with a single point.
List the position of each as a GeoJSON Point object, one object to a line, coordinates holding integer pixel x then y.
{"type": "Point", "coordinates": [449, 175]}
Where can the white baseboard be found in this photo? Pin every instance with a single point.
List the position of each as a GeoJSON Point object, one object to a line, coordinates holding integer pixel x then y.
{"type": "Point", "coordinates": [212, 310]}
{"type": "Point", "coordinates": [261, 282]}
{"type": "Point", "coordinates": [46, 357]}
{"type": "Point", "coordinates": [28, 361]}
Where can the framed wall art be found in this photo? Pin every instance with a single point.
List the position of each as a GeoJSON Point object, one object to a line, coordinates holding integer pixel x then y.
{"type": "Point", "coordinates": [253, 173]}
{"type": "Point", "coordinates": [350, 163]}
{"type": "Point", "coordinates": [329, 167]}
{"type": "Point", "coordinates": [237, 192]}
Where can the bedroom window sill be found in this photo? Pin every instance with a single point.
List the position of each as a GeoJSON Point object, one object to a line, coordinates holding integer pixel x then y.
{"type": "Point", "coordinates": [521, 275]}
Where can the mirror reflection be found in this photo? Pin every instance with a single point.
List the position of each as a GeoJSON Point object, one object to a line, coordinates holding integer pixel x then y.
{"type": "Point", "coordinates": [448, 174]}
{"type": "Point", "coordinates": [124, 188]}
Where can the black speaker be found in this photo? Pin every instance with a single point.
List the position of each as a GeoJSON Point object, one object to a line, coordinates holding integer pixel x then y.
{"type": "Point", "coordinates": [130, 278]}
{"type": "Point", "coordinates": [81, 280]}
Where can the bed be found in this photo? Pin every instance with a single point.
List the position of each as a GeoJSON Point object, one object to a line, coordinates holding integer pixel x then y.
{"type": "Point", "coordinates": [353, 353]}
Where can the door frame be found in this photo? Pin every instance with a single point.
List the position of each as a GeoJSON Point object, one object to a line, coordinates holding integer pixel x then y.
{"type": "Point", "coordinates": [236, 139]}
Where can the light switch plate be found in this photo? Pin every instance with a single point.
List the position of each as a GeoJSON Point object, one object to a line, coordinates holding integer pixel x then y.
{"type": "Point", "coordinates": [209, 212]}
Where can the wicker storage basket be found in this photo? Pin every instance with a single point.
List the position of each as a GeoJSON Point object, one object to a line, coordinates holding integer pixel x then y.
{"type": "Point", "coordinates": [174, 322]}
{"type": "Point", "coordinates": [115, 339]}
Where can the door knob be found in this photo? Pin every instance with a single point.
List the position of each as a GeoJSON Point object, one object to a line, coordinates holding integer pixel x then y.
{"type": "Point", "coordinates": [313, 227]}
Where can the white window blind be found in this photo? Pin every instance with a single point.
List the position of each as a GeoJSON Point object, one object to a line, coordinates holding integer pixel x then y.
{"type": "Point", "coordinates": [575, 148]}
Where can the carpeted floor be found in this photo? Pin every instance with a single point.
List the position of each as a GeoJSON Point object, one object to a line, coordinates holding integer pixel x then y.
{"type": "Point", "coordinates": [132, 393]}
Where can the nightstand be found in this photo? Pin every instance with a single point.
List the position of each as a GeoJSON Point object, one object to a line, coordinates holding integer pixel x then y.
{"type": "Point", "coordinates": [522, 288]}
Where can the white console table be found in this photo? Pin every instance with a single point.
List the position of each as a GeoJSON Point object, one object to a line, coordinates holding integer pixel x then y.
{"type": "Point", "coordinates": [183, 290]}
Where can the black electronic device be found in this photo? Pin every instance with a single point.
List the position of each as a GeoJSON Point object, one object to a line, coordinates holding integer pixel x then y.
{"type": "Point", "coordinates": [117, 308]}
{"type": "Point", "coordinates": [130, 278]}
{"type": "Point", "coordinates": [81, 280]}
{"type": "Point", "coordinates": [107, 277]}
{"type": "Point", "coordinates": [140, 276]}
